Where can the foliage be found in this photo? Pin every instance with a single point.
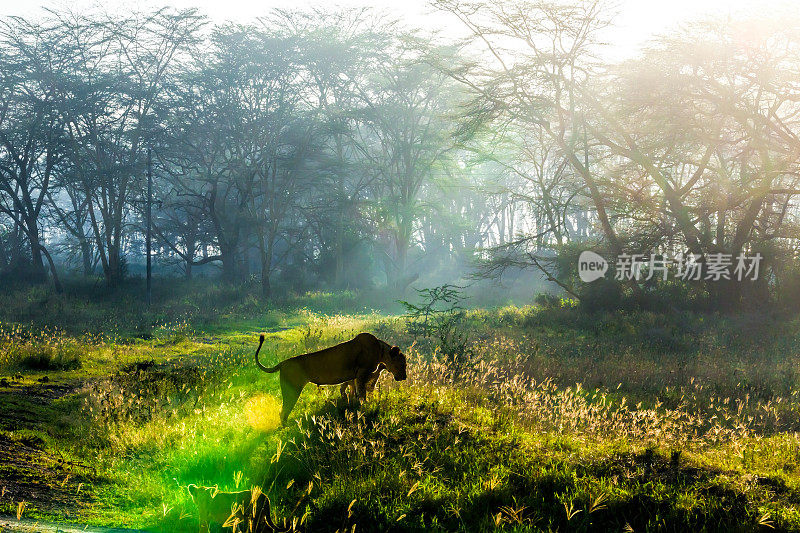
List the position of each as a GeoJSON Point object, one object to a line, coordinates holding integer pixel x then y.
{"type": "Point", "coordinates": [439, 308]}
{"type": "Point", "coordinates": [39, 350]}
{"type": "Point", "coordinates": [564, 420]}
{"type": "Point", "coordinates": [440, 315]}
{"type": "Point", "coordinates": [329, 149]}
{"type": "Point", "coordinates": [629, 153]}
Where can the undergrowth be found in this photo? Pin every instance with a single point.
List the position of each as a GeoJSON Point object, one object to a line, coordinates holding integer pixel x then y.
{"type": "Point", "coordinates": [553, 420]}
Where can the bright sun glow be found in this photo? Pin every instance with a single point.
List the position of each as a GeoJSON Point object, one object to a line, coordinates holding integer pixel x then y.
{"type": "Point", "coordinates": [263, 412]}
{"type": "Point", "coordinates": [641, 20]}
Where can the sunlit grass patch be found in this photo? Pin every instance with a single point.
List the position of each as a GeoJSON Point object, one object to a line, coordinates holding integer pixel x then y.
{"type": "Point", "coordinates": [263, 412]}
{"type": "Point", "coordinates": [172, 333]}
{"type": "Point", "coordinates": [39, 349]}
{"type": "Point", "coordinates": [656, 438]}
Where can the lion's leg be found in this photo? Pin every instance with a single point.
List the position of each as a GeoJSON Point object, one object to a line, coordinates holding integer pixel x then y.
{"type": "Point", "coordinates": [348, 390]}
{"type": "Point", "coordinates": [361, 386]}
{"type": "Point", "coordinates": [290, 392]}
{"type": "Point", "coordinates": [373, 378]}
{"type": "Point", "coordinates": [343, 389]}
{"type": "Point", "coordinates": [371, 385]}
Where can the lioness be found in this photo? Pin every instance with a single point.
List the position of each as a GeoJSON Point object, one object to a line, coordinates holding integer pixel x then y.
{"type": "Point", "coordinates": [355, 360]}
{"type": "Point", "coordinates": [229, 508]}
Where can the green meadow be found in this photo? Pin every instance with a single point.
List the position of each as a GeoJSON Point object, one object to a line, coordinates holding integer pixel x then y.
{"type": "Point", "coordinates": [521, 418]}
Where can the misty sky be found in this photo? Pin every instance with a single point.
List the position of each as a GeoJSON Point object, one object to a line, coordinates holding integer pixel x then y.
{"type": "Point", "coordinates": [638, 20]}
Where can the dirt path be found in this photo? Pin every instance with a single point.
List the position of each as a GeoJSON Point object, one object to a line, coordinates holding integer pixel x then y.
{"type": "Point", "coordinates": [9, 525]}
{"type": "Point", "coordinates": [29, 470]}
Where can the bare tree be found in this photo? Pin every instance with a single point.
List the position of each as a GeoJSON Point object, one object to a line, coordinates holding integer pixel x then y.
{"type": "Point", "coordinates": [410, 133]}
{"type": "Point", "coordinates": [123, 67]}
{"type": "Point", "coordinates": [704, 133]}
{"type": "Point", "coordinates": [31, 130]}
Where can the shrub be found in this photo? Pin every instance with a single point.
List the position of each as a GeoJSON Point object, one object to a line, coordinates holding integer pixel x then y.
{"type": "Point", "coordinates": [50, 358]}
{"type": "Point", "coordinates": [547, 300]}
{"type": "Point", "coordinates": [789, 293]}
{"type": "Point", "coordinates": [600, 295]}
{"type": "Point", "coordinates": [37, 350]}
{"type": "Point", "coordinates": [441, 316]}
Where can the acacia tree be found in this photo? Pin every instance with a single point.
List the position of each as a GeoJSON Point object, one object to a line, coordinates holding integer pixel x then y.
{"type": "Point", "coordinates": [456, 220]}
{"type": "Point", "coordinates": [32, 57]}
{"type": "Point", "coordinates": [283, 142]}
{"type": "Point", "coordinates": [410, 136]}
{"type": "Point", "coordinates": [340, 50]}
{"type": "Point", "coordinates": [692, 148]}
{"type": "Point", "coordinates": [526, 65]}
{"type": "Point", "coordinates": [199, 158]}
{"type": "Point", "coordinates": [122, 68]}
{"type": "Point", "coordinates": [704, 132]}
{"type": "Point", "coordinates": [530, 174]}
{"type": "Point", "coordinates": [181, 226]}
{"type": "Point", "coordinates": [235, 133]}
{"type": "Point", "coordinates": [68, 208]}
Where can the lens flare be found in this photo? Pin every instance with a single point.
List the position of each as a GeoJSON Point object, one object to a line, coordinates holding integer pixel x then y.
{"type": "Point", "coordinates": [263, 412]}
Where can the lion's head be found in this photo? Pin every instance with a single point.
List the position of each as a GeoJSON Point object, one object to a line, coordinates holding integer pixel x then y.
{"type": "Point", "coordinates": [202, 495]}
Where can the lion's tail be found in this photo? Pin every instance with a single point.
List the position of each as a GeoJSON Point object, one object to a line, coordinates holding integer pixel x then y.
{"type": "Point", "coordinates": [269, 369]}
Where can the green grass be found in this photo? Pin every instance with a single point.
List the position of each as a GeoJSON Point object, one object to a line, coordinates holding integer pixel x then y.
{"type": "Point", "coordinates": [555, 420]}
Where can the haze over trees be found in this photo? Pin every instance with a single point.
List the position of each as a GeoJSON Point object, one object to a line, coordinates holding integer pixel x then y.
{"type": "Point", "coordinates": [318, 149]}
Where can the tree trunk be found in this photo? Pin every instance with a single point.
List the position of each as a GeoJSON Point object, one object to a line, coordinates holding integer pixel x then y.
{"type": "Point", "coordinates": [229, 262]}
{"type": "Point", "coordinates": [37, 261]}
{"type": "Point", "coordinates": [338, 279]}
{"type": "Point", "coordinates": [114, 272]}
{"type": "Point", "coordinates": [265, 252]}
{"type": "Point", "coordinates": [402, 259]}
{"type": "Point", "coordinates": [56, 281]}
{"type": "Point", "coordinates": [266, 287]}
{"type": "Point", "coordinates": [39, 274]}
{"type": "Point", "coordinates": [727, 294]}
{"type": "Point", "coordinates": [86, 256]}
